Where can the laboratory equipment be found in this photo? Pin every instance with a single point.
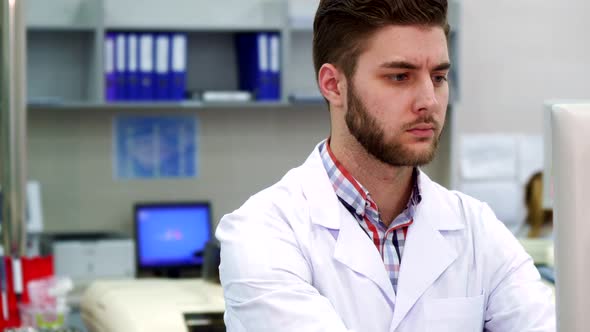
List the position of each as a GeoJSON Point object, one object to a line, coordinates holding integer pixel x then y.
{"type": "Point", "coordinates": [153, 305]}
{"type": "Point", "coordinates": [85, 257]}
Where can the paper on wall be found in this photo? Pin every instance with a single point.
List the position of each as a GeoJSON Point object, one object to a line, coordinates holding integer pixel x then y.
{"type": "Point", "coordinates": [488, 157]}
{"type": "Point", "coordinates": [530, 156]}
{"type": "Point", "coordinates": [506, 198]}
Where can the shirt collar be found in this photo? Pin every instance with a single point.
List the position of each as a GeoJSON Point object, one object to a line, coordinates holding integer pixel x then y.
{"type": "Point", "coordinates": [352, 192]}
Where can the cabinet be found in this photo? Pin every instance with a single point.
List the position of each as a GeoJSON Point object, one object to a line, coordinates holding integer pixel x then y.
{"type": "Point", "coordinates": [66, 46]}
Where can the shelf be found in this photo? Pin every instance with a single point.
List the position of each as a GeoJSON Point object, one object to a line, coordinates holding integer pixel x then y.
{"type": "Point", "coordinates": [164, 105]}
{"type": "Point", "coordinates": [63, 14]}
{"type": "Point", "coordinates": [60, 65]}
{"type": "Point", "coordinates": [193, 15]}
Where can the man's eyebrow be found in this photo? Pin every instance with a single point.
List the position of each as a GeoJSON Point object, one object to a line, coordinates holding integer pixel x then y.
{"type": "Point", "coordinates": [399, 65]}
{"type": "Point", "coordinates": [411, 66]}
{"type": "Point", "coordinates": [442, 66]}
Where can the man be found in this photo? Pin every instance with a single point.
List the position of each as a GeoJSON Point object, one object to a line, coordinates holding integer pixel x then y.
{"type": "Point", "coordinates": [358, 238]}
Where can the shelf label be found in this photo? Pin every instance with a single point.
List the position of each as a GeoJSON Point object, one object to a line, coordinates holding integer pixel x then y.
{"type": "Point", "coordinates": [179, 53]}
{"type": "Point", "coordinates": [146, 50]}
{"type": "Point", "coordinates": [132, 43]}
{"type": "Point", "coordinates": [162, 53]}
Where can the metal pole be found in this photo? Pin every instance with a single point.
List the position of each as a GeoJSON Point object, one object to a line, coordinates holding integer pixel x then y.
{"type": "Point", "coordinates": [13, 122]}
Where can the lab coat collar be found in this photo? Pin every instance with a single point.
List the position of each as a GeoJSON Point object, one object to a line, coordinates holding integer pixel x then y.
{"type": "Point", "coordinates": [427, 254]}
{"type": "Point", "coordinates": [353, 247]}
{"type": "Point", "coordinates": [324, 204]}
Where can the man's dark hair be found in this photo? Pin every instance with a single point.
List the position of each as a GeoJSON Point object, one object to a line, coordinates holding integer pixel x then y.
{"type": "Point", "coordinates": [342, 28]}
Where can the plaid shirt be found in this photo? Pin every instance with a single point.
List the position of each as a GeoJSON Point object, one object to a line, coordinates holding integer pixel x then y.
{"type": "Point", "coordinates": [388, 240]}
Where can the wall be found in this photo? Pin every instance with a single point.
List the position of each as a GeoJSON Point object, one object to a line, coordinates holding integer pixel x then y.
{"type": "Point", "coordinates": [513, 56]}
{"type": "Point", "coordinates": [241, 151]}
{"type": "Point", "coordinates": [516, 54]}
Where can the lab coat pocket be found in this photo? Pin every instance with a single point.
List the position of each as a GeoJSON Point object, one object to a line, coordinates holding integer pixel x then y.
{"type": "Point", "coordinates": [463, 314]}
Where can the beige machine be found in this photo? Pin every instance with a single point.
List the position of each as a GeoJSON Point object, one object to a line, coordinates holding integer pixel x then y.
{"type": "Point", "coordinates": [153, 305]}
{"type": "Point", "coordinates": [571, 170]}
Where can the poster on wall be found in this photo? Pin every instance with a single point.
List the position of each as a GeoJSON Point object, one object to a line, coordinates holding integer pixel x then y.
{"type": "Point", "coordinates": [155, 147]}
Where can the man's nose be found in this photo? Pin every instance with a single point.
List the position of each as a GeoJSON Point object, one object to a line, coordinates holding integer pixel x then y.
{"type": "Point", "coordinates": [425, 96]}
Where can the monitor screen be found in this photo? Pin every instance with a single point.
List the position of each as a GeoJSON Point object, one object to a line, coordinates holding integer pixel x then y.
{"type": "Point", "coordinates": [171, 235]}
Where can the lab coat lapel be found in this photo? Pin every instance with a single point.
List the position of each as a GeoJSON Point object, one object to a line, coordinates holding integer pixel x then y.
{"type": "Point", "coordinates": [427, 254]}
{"type": "Point", "coordinates": [355, 250]}
{"type": "Point", "coordinates": [353, 247]}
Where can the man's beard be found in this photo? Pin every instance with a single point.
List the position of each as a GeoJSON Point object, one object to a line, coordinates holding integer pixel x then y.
{"type": "Point", "coordinates": [365, 128]}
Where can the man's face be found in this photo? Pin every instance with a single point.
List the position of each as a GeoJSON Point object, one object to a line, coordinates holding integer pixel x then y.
{"type": "Point", "coordinates": [398, 96]}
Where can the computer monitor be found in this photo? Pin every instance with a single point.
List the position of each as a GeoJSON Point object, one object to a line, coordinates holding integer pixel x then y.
{"type": "Point", "coordinates": [171, 237]}
{"type": "Point", "coordinates": [571, 157]}
{"type": "Point", "coordinates": [548, 185]}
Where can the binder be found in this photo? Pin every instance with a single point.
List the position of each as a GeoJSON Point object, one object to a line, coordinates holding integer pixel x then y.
{"type": "Point", "coordinates": [275, 66]}
{"type": "Point", "coordinates": [120, 66]}
{"type": "Point", "coordinates": [146, 66]}
{"type": "Point", "coordinates": [162, 62]}
{"type": "Point", "coordinates": [263, 75]}
{"type": "Point", "coordinates": [254, 65]}
{"type": "Point", "coordinates": [245, 61]}
{"type": "Point", "coordinates": [109, 68]}
{"type": "Point", "coordinates": [178, 72]}
{"type": "Point", "coordinates": [132, 74]}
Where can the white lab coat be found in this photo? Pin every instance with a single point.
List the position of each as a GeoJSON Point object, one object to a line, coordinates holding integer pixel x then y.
{"type": "Point", "coordinates": [294, 259]}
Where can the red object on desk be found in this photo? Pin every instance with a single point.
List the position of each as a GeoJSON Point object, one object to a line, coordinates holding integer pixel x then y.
{"type": "Point", "coordinates": [35, 268]}
{"type": "Point", "coordinates": [32, 268]}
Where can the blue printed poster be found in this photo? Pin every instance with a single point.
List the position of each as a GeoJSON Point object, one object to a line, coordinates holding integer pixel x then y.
{"type": "Point", "coordinates": [155, 147]}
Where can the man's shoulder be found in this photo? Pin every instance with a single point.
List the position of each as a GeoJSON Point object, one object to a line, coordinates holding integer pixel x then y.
{"type": "Point", "coordinates": [285, 197]}
{"type": "Point", "coordinates": [453, 197]}
{"type": "Point", "coordinates": [454, 204]}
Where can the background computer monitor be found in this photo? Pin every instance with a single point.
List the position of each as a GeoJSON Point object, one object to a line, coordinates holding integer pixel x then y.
{"type": "Point", "coordinates": [548, 185]}
{"type": "Point", "coordinates": [171, 237]}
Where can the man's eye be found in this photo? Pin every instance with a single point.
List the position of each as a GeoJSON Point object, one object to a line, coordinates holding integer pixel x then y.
{"type": "Point", "coordinates": [439, 79]}
{"type": "Point", "coordinates": [398, 77]}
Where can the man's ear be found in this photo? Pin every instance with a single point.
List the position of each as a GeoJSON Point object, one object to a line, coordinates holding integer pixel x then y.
{"type": "Point", "coordinates": [332, 85]}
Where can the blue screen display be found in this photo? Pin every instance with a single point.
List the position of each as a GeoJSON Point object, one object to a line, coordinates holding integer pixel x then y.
{"type": "Point", "coordinates": [172, 235]}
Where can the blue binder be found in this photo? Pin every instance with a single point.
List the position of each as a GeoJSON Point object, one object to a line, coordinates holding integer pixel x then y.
{"type": "Point", "coordinates": [109, 68]}
{"type": "Point", "coordinates": [275, 66]}
{"type": "Point", "coordinates": [178, 50]}
{"type": "Point", "coordinates": [254, 65]}
{"type": "Point", "coordinates": [162, 62]}
{"type": "Point", "coordinates": [132, 76]}
{"type": "Point", "coordinates": [120, 66]}
{"type": "Point", "coordinates": [146, 66]}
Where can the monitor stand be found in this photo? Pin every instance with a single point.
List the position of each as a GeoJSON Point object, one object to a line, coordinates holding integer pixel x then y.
{"type": "Point", "coordinates": [170, 273]}
{"type": "Point", "coordinates": [176, 273]}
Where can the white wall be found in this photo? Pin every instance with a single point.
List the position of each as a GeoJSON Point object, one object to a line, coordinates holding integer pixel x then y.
{"type": "Point", "coordinates": [516, 53]}
{"type": "Point", "coordinates": [513, 55]}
